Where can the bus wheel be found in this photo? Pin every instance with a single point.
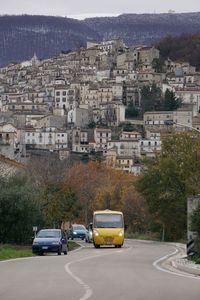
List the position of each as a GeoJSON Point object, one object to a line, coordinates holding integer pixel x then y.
{"type": "Point", "coordinates": [96, 246]}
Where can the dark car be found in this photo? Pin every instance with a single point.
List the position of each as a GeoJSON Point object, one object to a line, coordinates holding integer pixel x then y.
{"type": "Point", "coordinates": [77, 231]}
{"type": "Point", "coordinates": [50, 240]}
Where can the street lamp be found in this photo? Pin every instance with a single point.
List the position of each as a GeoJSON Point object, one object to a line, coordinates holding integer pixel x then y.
{"type": "Point", "coordinates": [187, 126]}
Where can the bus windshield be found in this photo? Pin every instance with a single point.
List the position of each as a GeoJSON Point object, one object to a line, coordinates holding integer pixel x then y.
{"type": "Point", "coordinates": [108, 221]}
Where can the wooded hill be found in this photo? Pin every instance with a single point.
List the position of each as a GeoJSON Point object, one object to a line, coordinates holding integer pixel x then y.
{"type": "Point", "coordinates": [182, 48]}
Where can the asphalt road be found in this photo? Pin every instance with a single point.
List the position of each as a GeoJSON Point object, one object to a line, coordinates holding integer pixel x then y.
{"type": "Point", "coordinates": [130, 273]}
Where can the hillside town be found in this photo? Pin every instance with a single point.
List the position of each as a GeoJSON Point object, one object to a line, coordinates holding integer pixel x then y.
{"type": "Point", "coordinates": [74, 105]}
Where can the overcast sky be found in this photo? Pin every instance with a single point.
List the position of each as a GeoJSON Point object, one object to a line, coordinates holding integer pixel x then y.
{"type": "Point", "coordinates": [82, 8]}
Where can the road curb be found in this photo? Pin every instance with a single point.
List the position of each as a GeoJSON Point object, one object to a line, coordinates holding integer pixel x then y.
{"type": "Point", "coordinates": [181, 263]}
{"type": "Point", "coordinates": [184, 265]}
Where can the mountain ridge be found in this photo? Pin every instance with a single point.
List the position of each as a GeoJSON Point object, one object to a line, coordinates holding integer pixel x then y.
{"type": "Point", "coordinates": [21, 36]}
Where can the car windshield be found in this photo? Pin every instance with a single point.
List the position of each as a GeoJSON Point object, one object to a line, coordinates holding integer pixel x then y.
{"type": "Point", "coordinates": [108, 221]}
{"type": "Point", "coordinates": [79, 227]}
{"type": "Point", "coordinates": [49, 234]}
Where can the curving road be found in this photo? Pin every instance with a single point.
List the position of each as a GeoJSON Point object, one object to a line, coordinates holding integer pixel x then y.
{"type": "Point", "coordinates": [130, 273]}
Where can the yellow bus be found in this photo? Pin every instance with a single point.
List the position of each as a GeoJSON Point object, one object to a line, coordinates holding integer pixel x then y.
{"type": "Point", "coordinates": [108, 228]}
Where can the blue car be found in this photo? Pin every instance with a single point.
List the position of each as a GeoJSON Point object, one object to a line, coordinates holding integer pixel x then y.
{"type": "Point", "coordinates": [50, 240]}
{"type": "Point", "coordinates": [77, 231]}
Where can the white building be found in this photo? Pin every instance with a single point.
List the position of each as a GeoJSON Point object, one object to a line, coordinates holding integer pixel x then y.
{"type": "Point", "coordinates": [80, 140]}
{"type": "Point", "coordinates": [9, 137]}
{"type": "Point", "coordinates": [183, 117]}
{"type": "Point", "coordinates": [65, 97]}
{"type": "Point", "coordinates": [190, 96]}
{"type": "Point", "coordinates": [79, 117]}
{"type": "Point", "coordinates": [101, 137]}
{"type": "Point", "coordinates": [48, 138]}
{"type": "Point", "coordinates": [129, 135]}
{"type": "Point", "coordinates": [126, 148]}
{"type": "Point", "coordinates": [149, 147]}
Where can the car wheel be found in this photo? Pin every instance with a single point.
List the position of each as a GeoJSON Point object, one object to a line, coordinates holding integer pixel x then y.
{"type": "Point", "coordinates": [72, 238]}
{"type": "Point", "coordinates": [65, 252]}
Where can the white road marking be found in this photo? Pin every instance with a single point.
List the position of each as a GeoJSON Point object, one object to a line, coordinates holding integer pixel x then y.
{"type": "Point", "coordinates": [88, 290]}
{"type": "Point", "coordinates": [161, 259]}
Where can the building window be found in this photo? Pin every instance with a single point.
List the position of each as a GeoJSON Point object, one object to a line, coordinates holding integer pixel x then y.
{"type": "Point", "coordinates": [63, 99]}
{"type": "Point", "coordinates": [64, 93]}
{"type": "Point", "coordinates": [57, 93]}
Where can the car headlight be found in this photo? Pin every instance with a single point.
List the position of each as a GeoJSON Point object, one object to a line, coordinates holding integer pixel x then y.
{"type": "Point", "coordinates": [96, 233]}
{"type": "Point", "coordinates": [35, 243]}
{"type": "Point", "coordinates": [75, 232]}
{"type": "Point", "coordinates": [121, 233]}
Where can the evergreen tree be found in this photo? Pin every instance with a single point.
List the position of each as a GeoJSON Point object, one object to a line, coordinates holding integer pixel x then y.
{"type": "Point", "coordinates": [131, 111]}
{"type": "Point", "coordinates": [171, 102]}
{"type": "Point", "coordinates": [151, 96]}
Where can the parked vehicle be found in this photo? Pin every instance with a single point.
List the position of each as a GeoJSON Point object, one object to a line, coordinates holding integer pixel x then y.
{"type": "Point", "coordinates": [77, 231]}
{"type": "Point", "coordinates": [89, 234]}
{"type": "Point", "coordinates": [50, 240]}
{"type": "Point", "coordinates": [108, 228]}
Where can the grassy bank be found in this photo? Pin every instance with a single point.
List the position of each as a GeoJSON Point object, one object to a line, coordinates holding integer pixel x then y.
{"type": "Point", "coordinates": [11, 251]}
{"type": "Point", "coordinates": [15, 251]}
{"type": "Point", "coordinates": [196, 259]}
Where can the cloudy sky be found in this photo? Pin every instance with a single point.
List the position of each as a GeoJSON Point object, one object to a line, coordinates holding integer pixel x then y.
{"type": "Point", "coordinates": [83, 8]}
